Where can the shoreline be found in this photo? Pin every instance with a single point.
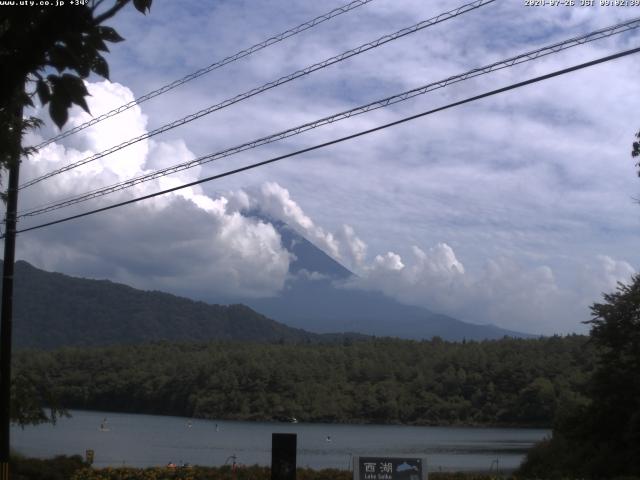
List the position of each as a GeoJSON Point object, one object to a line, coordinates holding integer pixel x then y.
{"type": "Point", "coordinates": [324, 422]}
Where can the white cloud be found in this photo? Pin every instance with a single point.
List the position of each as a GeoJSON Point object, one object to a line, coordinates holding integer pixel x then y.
{"type": "Point", "coordinates": [191, 243]}
{"type": "Point", "coordinates": [495, 211]}
{"type": "Point", "coordinates": [388, 262]}
{"type": "Point", "coordinates": [355, 250]}
{"type": "Point", "coordinates": [184, 242]}
{"type": "Point", "coordinates": [503, 293]}
{"type": "Point", "coordinates": [275, 200]}
{"type": "Point", "coordinates": [603, 275]}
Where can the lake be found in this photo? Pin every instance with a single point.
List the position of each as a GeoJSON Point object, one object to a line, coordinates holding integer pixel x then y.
{"type": "Point", "coordinates": [150, 440]}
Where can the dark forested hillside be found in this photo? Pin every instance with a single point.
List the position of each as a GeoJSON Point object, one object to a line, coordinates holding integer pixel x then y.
{"type": "Point", "coordinates": [504, 382]}
{"type": "Point", "coordinates": [53, 310]}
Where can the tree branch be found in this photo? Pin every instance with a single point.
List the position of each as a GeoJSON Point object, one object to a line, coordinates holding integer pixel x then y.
{"type": "Point", "coordinates": [111, 12]}
{"type": "Point", "coordinates": [96, 4]}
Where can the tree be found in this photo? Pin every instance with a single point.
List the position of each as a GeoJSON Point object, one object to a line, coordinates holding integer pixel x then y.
{"type": "Point", "coordinates": [615, 386]}
{"type": "Point", "coordinates": [635, 152]}
{"type": "Point", "coordinates": [46, 51]}
{"type": "Point", "coordinates": [602, 439]}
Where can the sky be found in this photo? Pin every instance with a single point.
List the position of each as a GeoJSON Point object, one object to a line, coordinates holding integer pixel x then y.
{"type": "Point", "coordinates": [517, 210]}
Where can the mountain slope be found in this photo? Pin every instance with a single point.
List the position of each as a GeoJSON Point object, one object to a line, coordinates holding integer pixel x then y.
{"type": "Point", "coordinates": [308, 257]}
{"type": "Point", "coordinates": [319, 303]}
{"type": "Point", "coordinates": [52, 310]}
{"type": "Point", "coordinates": [320, 306]}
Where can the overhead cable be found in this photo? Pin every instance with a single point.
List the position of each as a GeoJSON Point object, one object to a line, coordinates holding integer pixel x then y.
{"type": "Point", "coordinates": [342, 139]}
{"type": "Point", "coordinates": [515, 60]}
{"type": "Point", "coordinates": [214, 66]}
{"type": "Point", "coordinates": [267, 86]}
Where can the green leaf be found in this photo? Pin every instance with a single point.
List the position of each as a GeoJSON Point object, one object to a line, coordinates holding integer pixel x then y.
{"type": "Point", "coordinates": [60, 94]}
{"type": "Point", "coordinates": [75, 44]}
{"type": "Point", "coordinates": [44, 93]}
{"type": "Point", "coordinates": [100, 66]}
{"type": "Point", "coordinates": [60, 58]}
{"type": "Point", "coordinates": [80, 51]}
{"type": "Point", "coordinates": [142, 5]}
{"type": "Point", "coordinates": [58, 112]}
{"type": "Point", "coordinates": [84, 64]}
{"type": "Point", "coordinates": [74, 84]}
{"type": "Point", "coordinates": [96, 42]}
{"type": "Point", "coordinates": [76, 90]}
{"type": "Point", "coordinates": [109, 34]}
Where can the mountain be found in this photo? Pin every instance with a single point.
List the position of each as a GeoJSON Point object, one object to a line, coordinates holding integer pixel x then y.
{"type": "Point", "coordinates": [53, 310]}
{"type": "Point", "coordinates": [316, 300]}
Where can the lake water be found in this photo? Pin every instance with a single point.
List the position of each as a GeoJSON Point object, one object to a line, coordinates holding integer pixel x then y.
{"type": "Point", "coordinates": [149, 440]}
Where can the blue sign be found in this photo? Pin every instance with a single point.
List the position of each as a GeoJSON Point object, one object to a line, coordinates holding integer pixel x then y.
{"type": "Point", "coordinates": [388, 468]}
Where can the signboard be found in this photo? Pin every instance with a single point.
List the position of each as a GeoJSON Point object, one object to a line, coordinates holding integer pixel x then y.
{"type": "Point", "coordinates": [283, 456]}
{"type": "Point", "coordinates": [388, 468]}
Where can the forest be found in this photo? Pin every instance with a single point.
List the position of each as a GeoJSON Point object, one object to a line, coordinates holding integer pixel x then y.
{"type": "Point", "coordinates": [508, 382]}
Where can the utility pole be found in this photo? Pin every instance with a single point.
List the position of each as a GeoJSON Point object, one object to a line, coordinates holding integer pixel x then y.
{"type": "Point", "coordinates": [6, 310]}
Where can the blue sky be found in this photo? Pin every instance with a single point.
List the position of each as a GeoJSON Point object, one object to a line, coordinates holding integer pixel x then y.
{"type": "Point", "coordinates": [516, 210]}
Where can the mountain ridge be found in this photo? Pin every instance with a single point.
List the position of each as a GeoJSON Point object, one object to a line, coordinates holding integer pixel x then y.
{"type": "Point", "coordinates": [322, 303]}
{"type": "Point", "coordinates": [53, 310]}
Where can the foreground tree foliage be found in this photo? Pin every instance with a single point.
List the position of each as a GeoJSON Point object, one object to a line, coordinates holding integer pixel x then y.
{"type": "Point", "coordinates": [505, 382]}
{"type": "Point", "coordinates": [635, 150]}
{"type": "Point", "coordinates": [243, 473]}
{"type": "Point", "coordinates": [602, 439]}
{"type": "Point", "coordinates": [47, 51]}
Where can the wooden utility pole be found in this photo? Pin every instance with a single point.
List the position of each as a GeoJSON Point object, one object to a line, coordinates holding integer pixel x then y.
{"type": "Point", "coordinates": [6, 310]}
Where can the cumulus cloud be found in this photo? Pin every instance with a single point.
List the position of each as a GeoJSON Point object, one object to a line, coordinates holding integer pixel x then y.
{"type": "Point", "coordinates": [185, 242]}
{"type": "Point", "coordinates": [388, 262]}
{"type": "Point", "coordinates": [275, 200]}
{"type": "Point", "coordinates": [205, 246]}
{"type": "Point", "coordinates": [501, 211]}
{"type": "Point", "coordinates": [503, 292]}
{"type": "Point", "coordinates": [603, 275]}
{"type": "Point", "coordinates": [355, 250]}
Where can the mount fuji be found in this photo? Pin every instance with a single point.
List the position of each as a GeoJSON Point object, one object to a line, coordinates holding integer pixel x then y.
{"type": "Point", "coordinates": [316, 299]}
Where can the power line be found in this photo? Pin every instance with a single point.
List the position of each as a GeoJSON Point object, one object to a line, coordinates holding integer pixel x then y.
{"type": "Point", "coordinates": [267, 86]}
{"type": "Point", "coordinates": [554, 48]}
{"type": "Point", "coordinates": [343, 139]}
{"type": "Point", "coordinates": [214, 66]}
{"type": "Point", "coordinates": [521, 58]}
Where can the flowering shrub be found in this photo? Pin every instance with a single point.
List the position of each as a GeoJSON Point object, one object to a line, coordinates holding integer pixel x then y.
{"type": "Point", "coordinates": [201, 473]}
{"type": "Point", "coordinates": [225, 473]}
